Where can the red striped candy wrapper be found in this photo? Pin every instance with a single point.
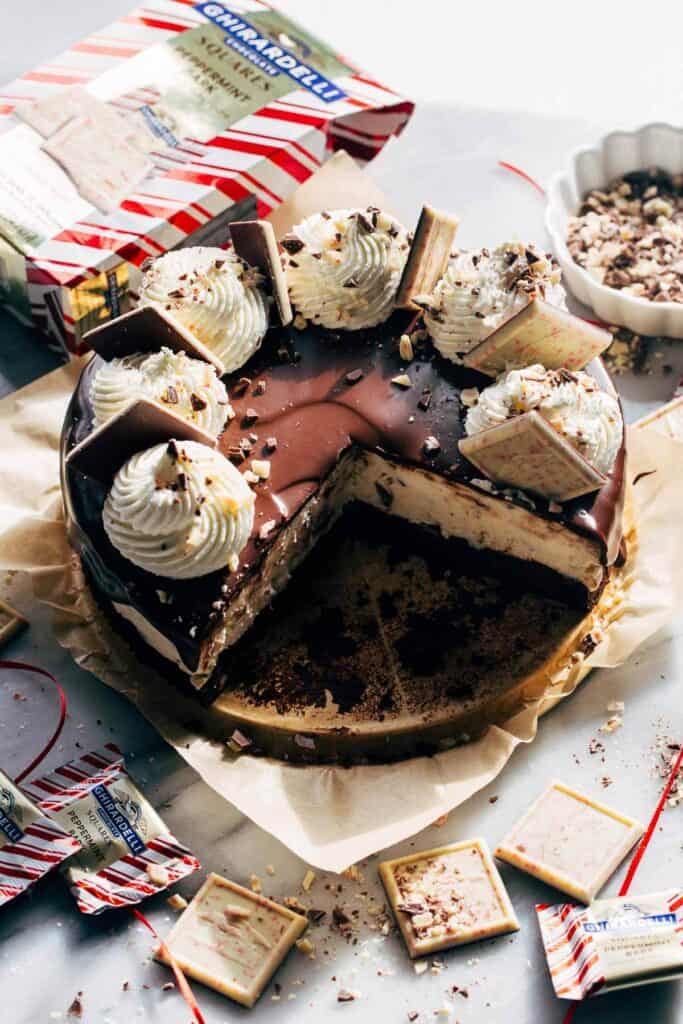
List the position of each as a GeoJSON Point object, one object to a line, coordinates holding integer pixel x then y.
{"type": "Point", "coordinates": [613, 943]}
{"type": "Point", "coordinates": [127, 851]}
{"type": "Point", "coordinates": [30, 843]}
{"type": "Point", "coordinates": [155, 132]}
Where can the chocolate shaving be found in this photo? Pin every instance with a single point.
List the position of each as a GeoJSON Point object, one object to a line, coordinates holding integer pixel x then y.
{"type": "Point", "coordinates": [250, 417]}
{"type": "Point", "coordinates": [76, 1008]}
{"type": "Point", "coordinates": [197, 402]}
{"type": "Point", "coordinates": [241, 387]}
{"type": "Point", "coordinates": [364, 222]}
{"type": "Point", "coordinates": [172, 450]}
{"type": "Point", "coordinates": [425, 399]}
{"type": "Point", "coordinates": [170, 395]}
{"type": "Point", "coordinates": [292, 244]}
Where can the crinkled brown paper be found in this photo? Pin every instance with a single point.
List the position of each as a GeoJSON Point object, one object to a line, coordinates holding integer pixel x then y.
{"type": "Point", "coordinates": [328, 815]}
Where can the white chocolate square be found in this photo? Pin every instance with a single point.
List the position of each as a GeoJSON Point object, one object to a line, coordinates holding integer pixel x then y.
{"type": "Point", "coordinates": [570, 841]}
{"type": "Point", "coordinates": [232, 939]}
{"type": "Point", "coordinates": [539, 333]}
{"type": "Point", "coordinates": [447, 897]}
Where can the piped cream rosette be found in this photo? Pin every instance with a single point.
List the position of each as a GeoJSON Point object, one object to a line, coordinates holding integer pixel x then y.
{"type": "Point", "coordinates": [572, 402]}
{"type": "Point", "coordinates": [188, 387]}
{"type": "Point", "coordinates": [343, 267]}
{"type": "Point", "coordinates": [179, 510]}
{"type": "Point", "coordinates": [482, 289]}
{"type": "Point", "coordinates": [215, 295]}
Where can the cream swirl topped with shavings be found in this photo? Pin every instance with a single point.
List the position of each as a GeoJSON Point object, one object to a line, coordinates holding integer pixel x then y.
{"type": "Point", "coordinates": [215, 295]}
{"type": "Point", "coordinates": [571, 401]}
{"type": "Point", "coordinates": [188, 387]}
{"type": "Point", "coordinates": [343, 267]}
{"type": "Point", "coordinates": [480, 290]}
{"type": "Point", "coordinates": [179, 510]}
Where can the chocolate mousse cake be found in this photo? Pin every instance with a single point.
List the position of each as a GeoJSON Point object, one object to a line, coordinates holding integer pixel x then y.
{"type": "Point", "coordinates": [354, 402]}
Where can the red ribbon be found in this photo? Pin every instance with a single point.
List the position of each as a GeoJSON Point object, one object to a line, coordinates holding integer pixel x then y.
{"type": "Point", "coordinates": [22, 666]}
{"type": "Point", "coordinates": [521, 174]}
{"type": "Point", "coordinates": [641, 849]}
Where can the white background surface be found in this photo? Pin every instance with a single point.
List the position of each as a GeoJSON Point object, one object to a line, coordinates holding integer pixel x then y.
{"type": "Point", "coordinates": [503, 81]}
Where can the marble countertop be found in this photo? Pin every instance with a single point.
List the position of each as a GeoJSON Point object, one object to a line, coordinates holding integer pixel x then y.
{"type": "Point", "coordinates": [48, 952]}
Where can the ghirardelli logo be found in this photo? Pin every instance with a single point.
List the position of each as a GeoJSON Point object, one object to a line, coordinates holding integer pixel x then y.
{"type": "Point", "coordinates": [8, 805]}
{"type": "Point", "coordinates": [130, 809]}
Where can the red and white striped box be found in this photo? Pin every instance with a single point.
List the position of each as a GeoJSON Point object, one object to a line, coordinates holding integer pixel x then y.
{"type": "Point", "coordinates": [30, 843]}
{"type": "Point", "coordinates": [127, 851]}
{"type": "Point", "coordinates": [233, 106]}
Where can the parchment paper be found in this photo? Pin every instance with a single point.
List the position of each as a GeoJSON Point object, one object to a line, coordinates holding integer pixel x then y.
{"type": "Point", "coordinates": [328, 815]}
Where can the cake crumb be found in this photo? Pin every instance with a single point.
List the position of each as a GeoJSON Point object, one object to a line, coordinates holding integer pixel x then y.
{"type": "Point", "coordinates": [612, 724]}
{"type": "Point", "coordinates": [158, 874]}
{"type": "Point", "coordinates": [176, 901]}
{"type": "Point", "coordinates": [306, 947]}
{"type": "Point", "coordinates": [405, 348]}
{"type": "Point", "coordinates": [261, 467]}
{"type": "Point", "coordinates": [308, 880]}
{"type": "Point", "coordinates": [255, 883]}
{"type": "Point", "coordinates": [402, 380]}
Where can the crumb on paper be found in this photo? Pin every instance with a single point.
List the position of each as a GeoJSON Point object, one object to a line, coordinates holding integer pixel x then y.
{"type": "Point", "coordinates": [176, 901]}
{"type": "Point", "coordinates": [616, 705]}
{"type": "Point", "coordinates": [420, 966]}
{"type": "Point", "coordinates": [441, 820]}
{"type": "Point", "coordinates": [255, 883]}
{"type": "Point", "coordinates": [353, 874]}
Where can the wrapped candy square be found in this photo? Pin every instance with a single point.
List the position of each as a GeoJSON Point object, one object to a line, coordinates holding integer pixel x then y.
{"type": "Point", "coordinates": [447, 897]}
{"type": "Point", "coordinates": [128, 852]}
{"type": "Point", "coordinates": [570, 841]}
{"type": "Point", "coordinates": [30, 843]}
{"type": "Point", "coordinates": [232, 939]}
{"type": "Point", "coordinates": [613, 943]}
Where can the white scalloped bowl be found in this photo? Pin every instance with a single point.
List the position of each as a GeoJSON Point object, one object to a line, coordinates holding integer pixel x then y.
{"type": "Point", "coordinates": [658, 145]}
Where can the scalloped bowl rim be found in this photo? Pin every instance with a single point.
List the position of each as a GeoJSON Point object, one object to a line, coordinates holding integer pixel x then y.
{"type": "Point", "coordinates": [559, 241]}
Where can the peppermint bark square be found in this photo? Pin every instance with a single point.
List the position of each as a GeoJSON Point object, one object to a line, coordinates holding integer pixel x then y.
{"type": "Point", "coordinates": [539, 333]}
{"type": "Point", "coordinates": [232, 939]}
{"type": "Point", "coordinates": [447, 897]}
{"type": "Point", "coordinates": [570, 841]}
{"type": "Point", "coordinates": [528, 453]}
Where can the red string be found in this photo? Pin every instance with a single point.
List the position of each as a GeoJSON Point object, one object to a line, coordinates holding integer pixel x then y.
{"type": "Point", "coordinates": [645, 841]}
{"type": "Point", "coordinates": [641, 850]}
{"type": "Point", "coordinates": [22, 666]}
{"type": "Point", "coordinates": [522, 174]}
{"type": "Point", "coordinates": [180, 978]}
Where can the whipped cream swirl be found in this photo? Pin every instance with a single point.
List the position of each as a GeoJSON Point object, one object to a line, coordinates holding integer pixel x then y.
{"type": "Point", "coordinates": [189, 387]}
{"type": "Point", "coordinates": [571, 401]}
{"type": "Point", "coordinates": [215, 295]}
{"type": "Point", "coordinates": [179, 510]}
{"type": "Point", "coordinates": [480, 290]}
{"type": "Point", "coordinates": [343, 267]}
